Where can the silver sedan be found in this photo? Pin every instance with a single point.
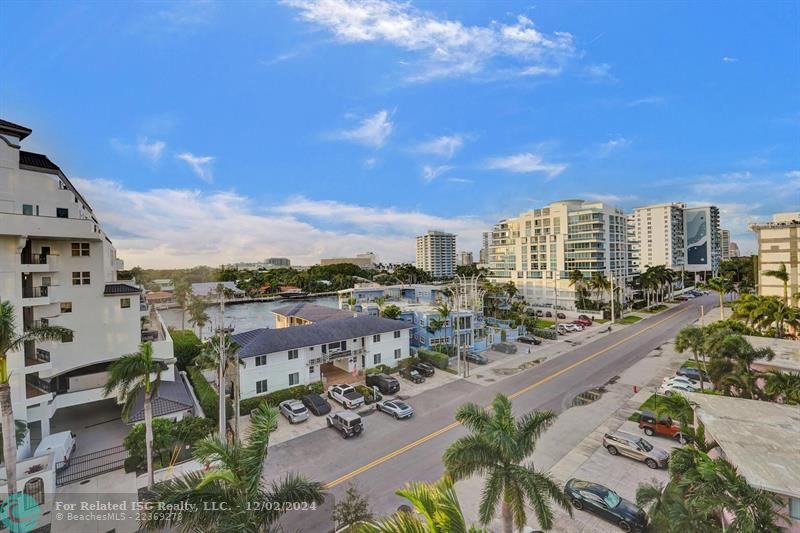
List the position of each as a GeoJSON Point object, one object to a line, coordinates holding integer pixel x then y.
{"type": "Point", "coordinates": [397, 408]}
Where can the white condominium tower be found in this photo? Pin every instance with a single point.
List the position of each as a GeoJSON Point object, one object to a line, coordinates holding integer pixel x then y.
{"type": "Point", "coordinates": [725, 244]}
{"type": "Point", "coordinates": [660, 235]}
{"type": "Point", "coordinates": [538, 249]}
{"type": "Point", "coordinates": [58, 267]}
{"type": "Point", "coordinates": [436, 253]}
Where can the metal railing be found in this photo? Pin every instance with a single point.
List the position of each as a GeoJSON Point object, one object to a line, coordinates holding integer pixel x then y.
{"type": "Point", "coordinates": [35, 292]}
{"type": "Point", "coordinates": [93, 464]}
{"type": "Point", "coordinates": [35, 259]}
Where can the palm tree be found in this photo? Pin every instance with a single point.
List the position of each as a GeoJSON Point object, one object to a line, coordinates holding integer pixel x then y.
{"type": "Point", "coordinates": [692, 339]}
{"type": "Point", "coordinates": [436, 510]}
{"type": "Point", "coordinates": [783, 385]}
{"type": "Point", "coordinates": [443, 308]}
{"type": "Point", "coordinates": [783, 275]}
{"type": "Point", "coordinates": [670, 511]}
{"type": "Point", "coordinates": [12, 341]}
{"type": "Point", "coordinates": [234, 481]}
{"type": "Point", "coordinates": [197, 314]}
{"type": "Point", "coordinates": [577, 280]}
{"type": "Point", "coordinates": [496, 448]}
{"type": "Point", "coordinates": [128, 377]}
{"type": "Point", "coordinates": [722, 286]}
{"type": "Point", "coordinates": [220, 353]}
{"type": "Point", "coordinates": [599, 284]}
{"type": "Point", "coordinates": [182, 292]}
{"type": "Point", "coordinates": [510, 289]}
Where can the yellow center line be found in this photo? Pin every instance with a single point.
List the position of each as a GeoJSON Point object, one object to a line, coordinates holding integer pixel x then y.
{"type": "Point", "coordinates": [445, 429]}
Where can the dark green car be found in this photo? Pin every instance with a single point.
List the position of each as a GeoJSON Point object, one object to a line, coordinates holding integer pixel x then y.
{"type": "Point", "coordinates": [606, 504]}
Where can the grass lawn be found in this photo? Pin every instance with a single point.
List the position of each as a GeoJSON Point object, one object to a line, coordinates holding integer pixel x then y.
{"type": "Point", "coordinates": [648, 405]}
{"type": "Point", "coordinates": [655, 309]}
{"type": "Point", "coordinates": [630, 319]}
{"type": "Point", "coordinates": [600, 320]}
{"type": "Point", "coordinates": [544, 323]}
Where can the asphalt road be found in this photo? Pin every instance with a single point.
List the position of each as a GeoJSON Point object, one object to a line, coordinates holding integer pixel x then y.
{"type": "Point", "coordinates": [389, 452]}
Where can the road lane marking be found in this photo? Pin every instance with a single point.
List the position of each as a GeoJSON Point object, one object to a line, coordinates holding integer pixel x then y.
{"type": "Point", "coordinates": [528, 388]}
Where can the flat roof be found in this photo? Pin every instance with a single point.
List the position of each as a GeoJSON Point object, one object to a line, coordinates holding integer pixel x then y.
{"type": "Point", "coordinates": [759, 438]}
{"type": "Point", "coordinates": [787, 352]}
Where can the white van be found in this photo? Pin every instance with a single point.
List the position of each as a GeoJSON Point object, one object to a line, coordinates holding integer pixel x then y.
{"type": "Point", "coordinates": [61, 445]}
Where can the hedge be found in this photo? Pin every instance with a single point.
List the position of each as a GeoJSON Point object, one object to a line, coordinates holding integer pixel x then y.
{"type": "Point", "coordinates": [544, 333]}
{"type": "Point", "coordinates": [367, 393]}
{"type": "Point", "coordinates": [207, 396]}
{"type": "Point", "coordinates": [381, 369]}
{"type": "Point", "coordinates": [274, 398]}
{"type": "Point", "coordinates": [186, 346]}
{"type": "Point", "coordinates": [439, 360]}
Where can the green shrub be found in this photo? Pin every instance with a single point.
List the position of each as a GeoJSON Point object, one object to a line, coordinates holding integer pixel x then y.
{"type": "Point", "coordinates": [367, 393]}
{"type": "Point", "coordinates": [193, 428]}
{"type": "Point", "coordinates": [381, 369]}
{"type": "Point", "coordinates": [186, 346]}
{"type": "Point", "coordinates": [207, 396]}
{"type": "Point", "coordinates": [163, 439]}
{"type": "Point", "coordinates": [639, 304]}
{"type": "Point", "coordinates": [274, 398]}
{"type": "Point", "coordinates": [503, 335]}
{"type": "Point", "coordinates": [437, 359]}
{"type": "Point", "coordinates": [544, 333]}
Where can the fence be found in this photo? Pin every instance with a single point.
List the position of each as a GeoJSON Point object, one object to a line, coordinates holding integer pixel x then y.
{"type": "Point", "coordinates": [90, 465]}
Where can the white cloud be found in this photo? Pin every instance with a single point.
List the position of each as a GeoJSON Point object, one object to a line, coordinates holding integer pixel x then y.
{"type": "Point", "coordinates": [537, 70]}
{"type": "Point", "coordinates": [793, 174]}
{"type": "Point", "coordinates": [647, 100]}
{"type": "Point", "coordinates": [430, 173]}
{"type": "Point", "coordinates": [444, 146]}
{"type": "Point", "coordinates": [445, 47]}
{"type": "Point", "coordinates": [460, 180]}
{"type": "Point", "coordinates": [150, 150]}
{"type": "Point", "coordinates": [187, 14]}
{"type": "Point", "coordinates": [200, 165]}
{"type": "Point", "coordinates": [599, 72]}
{"type": "Point", "coordinates": [173, 228]}
{"type": "Point", "coordinates": [612, 145]}
{"type": "Point", "coordinates": [370, 162]}
{"type": "Point", "coordinates": [728, 59]}
{"type": "Point", "coordinates": [612, 199]}
{"type": "Point", "coordinates": [526, 163]}
{"type": "Point", "coordinates": [372, 131]}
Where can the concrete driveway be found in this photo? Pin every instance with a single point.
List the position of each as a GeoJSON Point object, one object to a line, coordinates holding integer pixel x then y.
{"type": "Point", "coordinates": [98, 425]}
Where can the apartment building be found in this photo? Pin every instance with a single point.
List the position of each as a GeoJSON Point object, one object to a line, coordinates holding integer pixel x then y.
{"type": "Point", "coordinates": [660, 235]}
{"type": "Point", "coordinates": [436, 253]}
{"type": "Point", "coordinates": [464, 259]}
{"type": "Point", "coordinates": [778, 244]}
{"type": "Point", "coordinates": [58, 267]}
{"type": "Point", "coordinates": [275, 359]}
{"type": "Point", "coordinates": [483, 256]}
{"type": "Point", "coordinates": [724, 244]}
{"type": "Point", "coordinates": [538, 249]}
{"type": "Point", "coordinates": [703, 252]}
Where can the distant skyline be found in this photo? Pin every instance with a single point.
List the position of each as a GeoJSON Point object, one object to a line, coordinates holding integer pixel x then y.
{"type": "Point", "coordinates": [204, 132]}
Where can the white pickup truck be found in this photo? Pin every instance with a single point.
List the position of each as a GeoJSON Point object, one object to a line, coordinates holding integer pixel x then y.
{"type": "Point", "coordinates": [345, 395]}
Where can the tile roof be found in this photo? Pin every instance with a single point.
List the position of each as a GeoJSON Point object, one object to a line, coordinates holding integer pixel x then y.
{"type": "Point", "coordinates": [120, 288]}
{"type": "Point", "coordinates": [265, 341]}
{"type": "Point", "coordinates": [32, 159]}
{"type": "Point", "coordinates": [171, 397]}
{"type": "Point", "coordinates": [312, 312]}
{"type": "Point", "coordinates": [16, 129]}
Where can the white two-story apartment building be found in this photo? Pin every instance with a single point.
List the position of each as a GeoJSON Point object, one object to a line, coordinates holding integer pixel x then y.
{"type": "Point", "coordinates": [275, 359]}
{"type": "Point", "coordinates": [58, 267]}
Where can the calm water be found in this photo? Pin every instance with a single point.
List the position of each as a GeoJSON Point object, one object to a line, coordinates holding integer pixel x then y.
{"type": "Point", "coordinates": [243, 317]}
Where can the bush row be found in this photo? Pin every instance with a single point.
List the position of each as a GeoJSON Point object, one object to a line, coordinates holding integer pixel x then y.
{"type": "Point", "coordinates": [439, 360]}
{"type": "Point", "coordinates": [207, 396]}
{"type": "Point", "coordinates": [544, 333]}
{"type": "Point", "coordinates": [274, 398]}
{"type": "Point", "coordinates": [167, 436]}
{"type": "Point", "coordinates": [186, 346]}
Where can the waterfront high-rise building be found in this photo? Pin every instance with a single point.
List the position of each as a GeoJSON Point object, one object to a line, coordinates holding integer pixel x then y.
{"type": "Point", "coordinates": [778, 244]}
{"type": "Point", "coordinates": [436, 253]}
{"type": "Point", "coordinates": [659, 235]}
{"type": "Point", "coordinates": [538, 249]}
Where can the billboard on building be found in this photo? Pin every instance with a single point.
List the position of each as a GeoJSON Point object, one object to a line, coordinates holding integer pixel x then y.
{"type": "Point", "coordinates": [702, 241]}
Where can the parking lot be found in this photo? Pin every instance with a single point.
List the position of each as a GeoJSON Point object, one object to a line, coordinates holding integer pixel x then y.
{"type": "Point", "coordinates": [97, 425]}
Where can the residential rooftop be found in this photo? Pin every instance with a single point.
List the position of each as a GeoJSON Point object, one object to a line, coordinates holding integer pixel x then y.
{"type": "Point", "coordinates": [759, 438]}
{"type": "Point", "coordinates": [311, 312]}
{"type": "Point", "coordinates": [787, 353]}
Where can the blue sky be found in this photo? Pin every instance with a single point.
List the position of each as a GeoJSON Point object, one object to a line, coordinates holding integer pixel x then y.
{"type": "Point", "coordinates": [207, 132]}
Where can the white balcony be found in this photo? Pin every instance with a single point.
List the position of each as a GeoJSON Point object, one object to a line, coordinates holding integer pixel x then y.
{"type": "Point", "coordinates": [39, 263]}
{"type": "Point", "coordinates": [48, 227]}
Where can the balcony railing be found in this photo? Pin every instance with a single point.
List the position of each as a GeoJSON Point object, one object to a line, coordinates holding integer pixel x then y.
{"type": "Point", "coordinates": [35, 324]}
{"type": "Point", "coordinates": [35, 292]}
{"type": "Point", "coordinates": [35, 386]}
{"type": "Point", "coordinates": [36, 357]}
{"type": "Point", "coordinates": [35, 259]}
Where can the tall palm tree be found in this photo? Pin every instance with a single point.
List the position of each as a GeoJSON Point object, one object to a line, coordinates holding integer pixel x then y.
{"type": "Point", "coordinates": [443, 308]}
{"type": "Point", "coordinates": [220, 353]}
{"type": "Point", "coordinates": [234, 481]}
{"type": "Point", "coordinates": [128, 377]}
{"type": "Point", "coordinates": [599, 285]}
{"type": "Point", "coordinates": [435, 510]}
{"type": "Point", "coordinates": [197, 314]}
{"type": "Point", "coordinates": [182, 293]}
{"type": "Point", "coordinates": [783, 275]}
{"type": "Point", "coordinates": [722, 286]}
{"type": "Point", "coordinates": [577, 280]}
{"type": "Point", "coordinates": [783, 385]}
{"type": "Point", "coordinates": [497, 448]}
{"type": "Point", "coordinates": [11, 341]}
{"type": "Point", "coordinates": [670, 511]}
{"type": "Point", "coordinates": [692, 339]}
{"type": "Point", "coordinates": [510, 289]}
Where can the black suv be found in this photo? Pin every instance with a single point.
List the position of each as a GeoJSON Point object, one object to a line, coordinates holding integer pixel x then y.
{"type": "Point", "coordinates": [529, 339]}
{"type": "Point", "coordinates": [426, 369]}
{"type": "Point", "coordinates": [386, 384]}
{"type": "Point", "coordinates": [316, 404]}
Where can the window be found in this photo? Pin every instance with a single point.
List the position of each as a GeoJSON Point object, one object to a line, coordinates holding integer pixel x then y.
{"type": "Point", "coordinates": [311, 369]}
{"type": "Point", "coordinates": [81, 278]}
{"type": "Point", "coordinates": [397, 353]}
{"type": "Point", "coordinates": [376, 338]}
{"type": "Point", "coordinates": [66, 307]}
{"type": "Point", "coordinates": [62, 212]}
{"type": "Point", "coordinates": [80, 249]}
{"type": "Point", "coordinates": [292, 354]}
{"type": "Point", "coordinates": [35, 489]}
{"type": "Point", "coordinates": [27, 209]}
{"type": "Point", "coordinates": [294, 379]}
{"type": "Point", "coordinates": [794, 508]}
{"type": "Point", "coordinates": [67, 337]}
{"type": "Point", "coordinates": [397, 334]}
{"type": "Point", "coordinates": [376, 359]}
{"type": "Point", "coordinates": [261, 386]}
{"type": "Point", "coordinates": [124, 303]}
{"type": "Point", "coordinates": [261, 360]}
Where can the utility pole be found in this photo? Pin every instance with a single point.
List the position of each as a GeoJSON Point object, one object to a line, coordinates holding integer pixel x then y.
{"type": "Point", "coordinates": [702, 315]}
{"type": "Point", "coordinates": [555, 302]}
{"type": "Point", "coordinates": [611, 275]}
{"type": "Point", "coordinates": [222, 362]}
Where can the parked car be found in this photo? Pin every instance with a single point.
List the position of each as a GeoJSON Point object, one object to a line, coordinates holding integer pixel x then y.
{"type": "Point", "coordinates": [293, 410]}
{"type": "Point", "coordinates": [345, 395]}
{"type": "Point", "coordinates": [681, 380]}
{"type": "Point", "coordinates": [412, 375]}
{"type": "Point", "coordinates": [562, 329]}
{"type": "Point", "coordinates": [348, 423]}
{"type": "Point", "coordinates": [663, 425]}
{"type": "Point", "coordinates": [587, 318]}
{"type": "Point", "coordinates": [635, 447]}
{"type": "Point", "coordinates": [505, 347]}
{"type": "Point", "coordinates": [475, 358]}
{"type": "Point", "coordinates": [540, 313]}
{"type": "Point", "coordinates": [693, 373]}
{"type": "Point", "coordinates": [682, 298]}
{"type": "Point", "coordinates": [668, 389]}
{"type": "Point", "coordinates": [426, 369]}
{"type": "Point", "coordinates": [397, 408]}
{"type": "Point", "coordinates": [316, 404]}
{"type": "Point", "coordinates": [61, 445]}
{"type": "Point", "coordinates": [548, 314]}
{"type": "Point", "coordinates": [583, 322]}
{"type": "Point", "coordinates": [386, 384]}
{"type": "Point", "coordinates": [529, 339]}
{"type": "Point", "coordinates": [606, 504]}
{"type": "Point", "coordinates": [561, 315]}
{"type": "Point", "coordinates": [573, 327]}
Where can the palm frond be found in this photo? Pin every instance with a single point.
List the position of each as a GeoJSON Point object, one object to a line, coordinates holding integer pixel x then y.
{"type": "Point", "coordinates": [264, 421]}
{"type": "Point", "coordinates": [473, 454]}
{"type": "Point", "coordinates": [292, 488]}
{"type": "Point", "coordinates": [473, 417]}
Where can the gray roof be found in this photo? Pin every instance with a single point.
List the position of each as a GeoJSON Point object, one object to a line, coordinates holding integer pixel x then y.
{"type": "Point", "coordinates": [265, 341]}
{"type": "Point", "coordinates": [171, 397]}
{"type": "Point", "coordinates": [312, 312]}
{"type": "Point", "coordinates": [120, 288]}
